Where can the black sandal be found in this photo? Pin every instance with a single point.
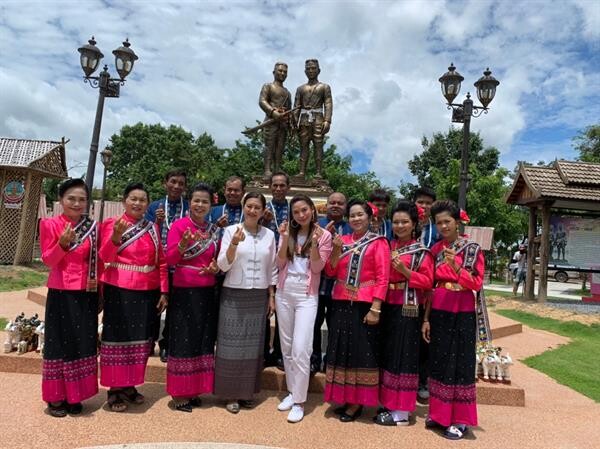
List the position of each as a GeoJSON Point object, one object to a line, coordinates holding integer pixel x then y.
{"type": "Point", "coordinates": [345, 417]}
{"type": "Point", "coordinates": [58, 411]}
{"type": "Point", "coordinates": [384, 419]}
{"type": "Point", "coordinates": [74, 409]}
{"type": "Point", "coordinates": [184, 407]}
{"type": "Point", "coordinates": [195, 402]}
{"type": "Point", "coordinates": [130, 394]}
{"type": "Point", "coordinates": [115, 402]}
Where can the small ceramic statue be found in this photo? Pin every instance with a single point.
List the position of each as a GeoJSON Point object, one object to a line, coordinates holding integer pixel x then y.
{"type": "Point", "coordinates": [505, 363]}
{"type": "Point", "coordinates": [489, 363]}
{"type": "Point", "coordinates": [39, 331]}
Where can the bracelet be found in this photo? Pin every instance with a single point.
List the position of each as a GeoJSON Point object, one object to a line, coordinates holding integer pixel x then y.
{"type": "Point", "coordinates": [234, 244]}
{"type": "Point", "coordinates": [375, 310]}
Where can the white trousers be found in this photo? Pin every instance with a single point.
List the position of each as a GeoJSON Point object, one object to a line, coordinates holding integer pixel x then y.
{"type": "Point", "coordinates": [296, 313]}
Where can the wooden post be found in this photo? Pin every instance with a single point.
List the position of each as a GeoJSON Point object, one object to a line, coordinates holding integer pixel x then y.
{"type": "Point", "coordinates": [530, 277]}
{"type": "Point", "coordinates": [544, 253]}
{"type": "Point", "coordinates": [24, 221]}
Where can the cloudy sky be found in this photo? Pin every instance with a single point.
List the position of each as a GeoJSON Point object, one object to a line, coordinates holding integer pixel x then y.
{"type": "Point", "coordinates": [201, 66]}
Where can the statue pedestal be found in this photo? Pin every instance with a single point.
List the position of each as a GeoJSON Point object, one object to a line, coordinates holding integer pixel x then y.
{"type": "Point", "coordinates": [317, 189]}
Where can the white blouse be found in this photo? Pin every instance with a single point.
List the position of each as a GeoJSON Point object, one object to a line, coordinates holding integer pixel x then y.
{"type": "Point", "coordinates": [254, 264]}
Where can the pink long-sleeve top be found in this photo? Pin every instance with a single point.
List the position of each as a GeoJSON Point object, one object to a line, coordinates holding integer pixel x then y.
{"type": "Point", "coordinates": [142, 252]}
{"type": "Point", "coordinates": [374, 275]}
{"type": "Point", "coordinates": [420, 279]}
{"type": "Point", "coordinates": [68, 269]}
{"type": "Point", "coordinates": [314, 268]}
{"type": "Point", "coordinates": [187, 272]}
{"type": "Point", "coordinates": [445, 273]}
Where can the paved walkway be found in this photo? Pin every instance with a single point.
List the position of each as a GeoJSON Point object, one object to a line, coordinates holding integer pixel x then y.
{"type": "Point", "coordinates": [563, 290]}
{"type": "Point", "coordinates": [554, 417]}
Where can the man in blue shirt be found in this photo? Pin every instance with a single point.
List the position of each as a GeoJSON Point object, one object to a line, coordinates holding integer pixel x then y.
{"type": "Point", "coordinates": [278, 211]}
{"type": "Point", "coordinates": [425, 197]}
{"type": "Point", "coordinates": [334, 222]}
{"type": "Point", "coordinates": [381, 224]}
{"type": "Point", "coordinates": [164, 212]}
{"type": "Point", "coordinates": [231, 212]}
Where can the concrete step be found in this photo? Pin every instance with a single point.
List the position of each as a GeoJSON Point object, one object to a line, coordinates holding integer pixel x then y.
{"type": "Point", "coordinates": [272, 379]}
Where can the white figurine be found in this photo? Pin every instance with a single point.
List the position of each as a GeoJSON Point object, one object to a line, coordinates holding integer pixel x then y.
{"type": "Point", "coordinates": [13, 336]}
{"type": "Point", "coordinates": [489, 363]}
{"type": "Point", "coordinates": [40, 330]}
{"type": "Point", "coordinates": [505, 362]}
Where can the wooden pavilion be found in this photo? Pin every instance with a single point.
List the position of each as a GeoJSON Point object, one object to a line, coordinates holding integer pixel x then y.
{"type": "Point", "coordinates": [24, 164]}
{"type": "Point", "coordinates": [562, 185]}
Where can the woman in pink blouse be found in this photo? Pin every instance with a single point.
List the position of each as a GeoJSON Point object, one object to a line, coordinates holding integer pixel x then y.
{"type": "Point", "coordinates": [193, 308]}
{"type": "Point", "coordinates": [410, 275]}
{"type": "Point", "coordinates": [68, 244]}
{"type": "Point", "coordinates": [451, 325]}
{"type": "Point", "coordinates": [360, 264]}
{"type": "Point", "coordinates": [304, 248]}
{"type": "Point", "coordinates": [135, 289]}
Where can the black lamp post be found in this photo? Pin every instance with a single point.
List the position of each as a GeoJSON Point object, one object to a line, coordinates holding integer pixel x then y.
{"type": "Point", "coordinates": [106, 157]}
{"type": "Point", "coordinates": [462, 113]}
{"type": "Point", "coordinates": [107, 87]}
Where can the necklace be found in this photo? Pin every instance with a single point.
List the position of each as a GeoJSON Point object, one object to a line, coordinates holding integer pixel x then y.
{"type": "Point", "coordinates": [167, 221]}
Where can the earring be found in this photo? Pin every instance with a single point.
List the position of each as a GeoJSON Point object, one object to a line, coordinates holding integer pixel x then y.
{"type": "Point", "coordinates": [294, 224]}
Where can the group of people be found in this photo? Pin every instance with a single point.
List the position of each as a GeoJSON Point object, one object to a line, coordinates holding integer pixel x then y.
{"type": "Point", "coordinates": [387, 288]}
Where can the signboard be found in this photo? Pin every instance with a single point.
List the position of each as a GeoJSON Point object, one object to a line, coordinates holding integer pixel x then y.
{"type": "Point", "coordinates": [13, 194]}
{"type": "Point", "coordinates": [575, 241]}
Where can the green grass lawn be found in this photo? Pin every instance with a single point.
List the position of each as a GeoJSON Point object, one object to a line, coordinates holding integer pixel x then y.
{"type": "Point", "coordinates": [576, 364]}
{"type": "Point", "coordinates": [3, 322]}
{"type": "Point", "coordinates": [21, 279]}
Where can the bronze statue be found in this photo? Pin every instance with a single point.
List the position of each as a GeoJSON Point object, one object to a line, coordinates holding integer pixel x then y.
{"type": "Point", "coordinates": [313, 117]}
{"type": "Point", "coordinates": [276, 101]}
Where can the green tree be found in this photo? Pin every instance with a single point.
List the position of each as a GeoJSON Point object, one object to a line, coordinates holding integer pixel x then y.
{"type": "Point", "coordinates": [443, 148]}
{"type": "Point", "coordinates": [587, 143]}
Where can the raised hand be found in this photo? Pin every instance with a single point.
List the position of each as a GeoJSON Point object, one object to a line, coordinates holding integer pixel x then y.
{"type": "Point", "coordinates": [222, 221]}
{"type": "Point", "coordinates": [185, 239]}
{"type": "Point", "coordinates": [238, 235]}
{"type": "Point", "coordinates": [67, 237]}
{"type": "Point", "coordinates": [316, 235]}
{"type": "Point", "coordinates": [284, 229]}
{"type": "Point", "coordinates": [159, 214]}
{"type": "Point", "coordinates": [212, 268]}
{"type": "Point", "coordinates": [398, 264]}
{"type": "Point", "coordinates": [338, 242]}
{"type": "Point", "coordinates": [331, 227]}
{"type": "Point", "coordinates": [119, 229]}
{"type": "Point", "coordinates": [268, 215]}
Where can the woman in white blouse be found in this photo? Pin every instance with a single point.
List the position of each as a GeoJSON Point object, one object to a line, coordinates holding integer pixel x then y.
{"type": "Point", "coordinates": [248, 257]}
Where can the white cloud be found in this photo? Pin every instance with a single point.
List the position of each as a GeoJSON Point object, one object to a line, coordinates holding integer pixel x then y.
{"type": "Point", "coordinates": [202, 65]}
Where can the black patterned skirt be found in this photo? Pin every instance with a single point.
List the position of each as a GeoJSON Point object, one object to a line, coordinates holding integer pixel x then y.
{"type": "Point", "coordinates": [400, 341]}
{"type": "Point", "coordinates": [70, 365]}
{"type": "Point", "coordinates": [128, 323]}
{"type": "Point", "coordinates": [240, 342]}
{"type": "Point", "coordinates": [352, 372]}
{"type": "Point", "coordinates": [193, 315]}
{"type": "Point", "coordinates": [452, 389]}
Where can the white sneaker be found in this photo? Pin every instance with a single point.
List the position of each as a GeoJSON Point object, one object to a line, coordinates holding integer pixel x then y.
{"type": "Point", "coordinates": [286, 404]}
{"type": "Point", "coordinates": [296, 414]}
{"type": "Point", "coordinates": [423, 393]}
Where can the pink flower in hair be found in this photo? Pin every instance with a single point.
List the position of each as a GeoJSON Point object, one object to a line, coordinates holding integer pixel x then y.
{"type": "Point", "coordinates": [420, 212]}
{"type": "Point", "coordinates": [374, 208]}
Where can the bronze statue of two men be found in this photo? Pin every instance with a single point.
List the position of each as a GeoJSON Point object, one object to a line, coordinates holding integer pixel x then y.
{"type": "Point", "coordinates": [311, 115]}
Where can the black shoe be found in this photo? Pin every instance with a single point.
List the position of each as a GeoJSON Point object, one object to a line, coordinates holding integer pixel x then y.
{"type": "Point", "coordinates": [163, 354]}
{"type": "Point", "coordinates": [247, 403]}
{"type": "Point", "coordinates": [345, 417]}
{"type": "Point", "coordinates": [74, 409]}
{"type": "Point", "coordinates": [340, 410]}
{"type": "Point", "coordinates": [279, 365]}
{"type": "Point", "coordinates": [384, 419]}
{"type": "Point", "coordinates": [58, 411]}
{"type": "Point", "coordinates": [196, 402]}
{"type": "Point", "coordinates": [184, 407]}
{"type": "Point", "coordinates": [315, 367]}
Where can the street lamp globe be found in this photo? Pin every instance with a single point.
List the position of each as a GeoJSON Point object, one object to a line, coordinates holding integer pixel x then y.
{"type": "Point", "coordinates": [90, 57]}
{"type": "Point", "coordinates": [486, 88]}
{"type": "Point", "coordinates": [106, 155]}
{"type": "Point", "coordinates": [124, 59]}
{"type": "Point", "coordinates": [450, 82]}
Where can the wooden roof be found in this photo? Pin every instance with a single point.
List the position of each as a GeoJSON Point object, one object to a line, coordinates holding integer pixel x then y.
{"type": "Point", "coordinates": [564, 184]}
{"type": "Point", "coordinates": [44, 156]}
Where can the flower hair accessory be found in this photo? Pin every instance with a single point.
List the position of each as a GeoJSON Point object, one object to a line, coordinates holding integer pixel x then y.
{"type": "Point", "coordinates": [464, 218]}
{"type": "Point", "coordinates": [374, 208]}
{"type": "Point", "coordinates": [420, 212]}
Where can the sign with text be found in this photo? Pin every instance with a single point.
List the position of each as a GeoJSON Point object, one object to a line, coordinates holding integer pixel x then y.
{"type": "Point", "coordinates": [575, 241]}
